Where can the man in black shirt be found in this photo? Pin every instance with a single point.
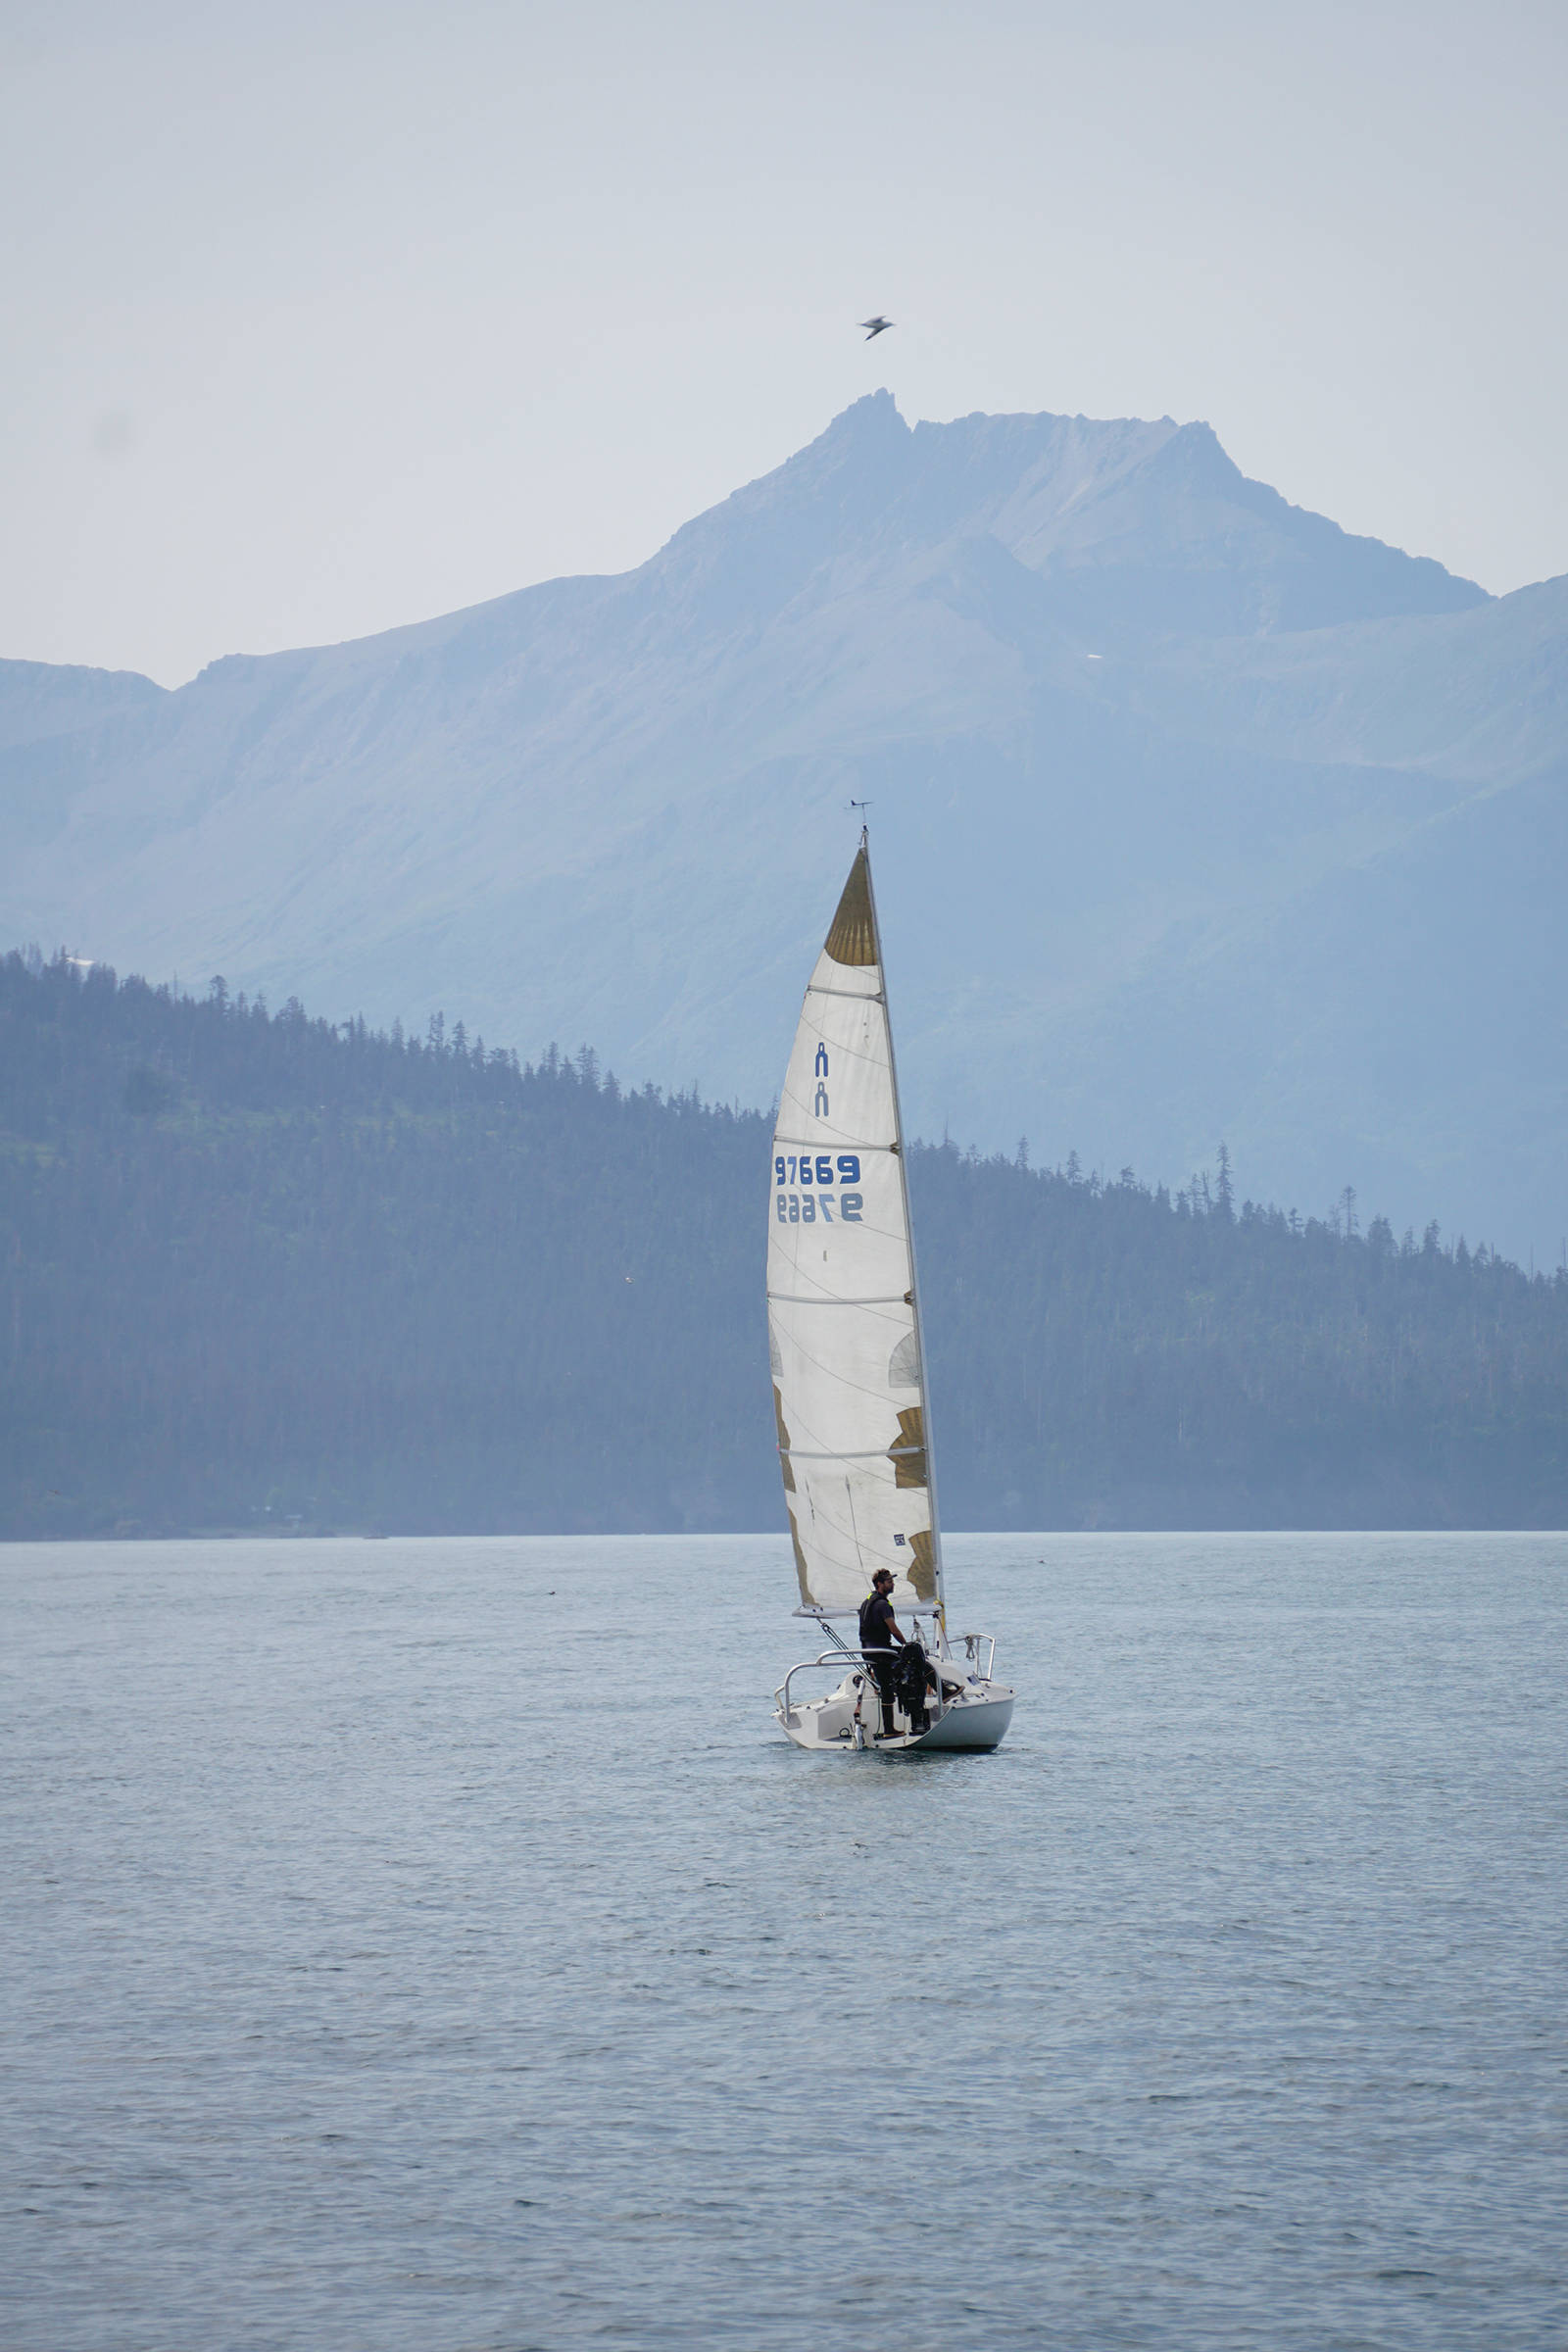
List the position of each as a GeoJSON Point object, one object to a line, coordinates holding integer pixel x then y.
{"type": "Point", "coordinates": [879, 1630]}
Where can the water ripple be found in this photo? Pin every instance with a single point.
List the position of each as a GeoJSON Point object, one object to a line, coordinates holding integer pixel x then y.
{"type": "Point", "coordinates": [431, 1947]}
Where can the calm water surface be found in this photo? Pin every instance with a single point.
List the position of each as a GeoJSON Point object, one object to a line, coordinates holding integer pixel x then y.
{"type": "Point", "coordinates": [414, 1946]}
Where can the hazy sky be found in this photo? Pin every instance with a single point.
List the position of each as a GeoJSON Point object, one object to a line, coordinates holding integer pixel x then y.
{"type": "Point", "coordinates": [321, 318]}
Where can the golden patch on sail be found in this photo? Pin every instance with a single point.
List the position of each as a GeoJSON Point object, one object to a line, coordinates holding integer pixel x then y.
{"type": "Point", "coordinates": [923, 1575]}
{"type": "Point", "coordinates": [783, 1441]}
{"type": "Point", "coordinates": [906, 1453]}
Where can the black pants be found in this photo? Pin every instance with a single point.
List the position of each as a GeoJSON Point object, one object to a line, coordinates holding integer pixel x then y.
{"type": "Point", "coordinates": [882, 1667]}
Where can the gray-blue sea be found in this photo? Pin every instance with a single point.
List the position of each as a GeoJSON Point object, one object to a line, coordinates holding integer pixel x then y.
{"type": "Point", "coordinates": [431, 1947]}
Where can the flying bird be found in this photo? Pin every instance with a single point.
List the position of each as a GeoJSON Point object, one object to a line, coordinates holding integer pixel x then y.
{"type": "Point", "coordinates": [876, 326]}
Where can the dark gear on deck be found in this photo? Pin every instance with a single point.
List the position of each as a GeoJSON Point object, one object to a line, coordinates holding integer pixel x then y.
{"type": "Point", "coordinates": [912, 1678]}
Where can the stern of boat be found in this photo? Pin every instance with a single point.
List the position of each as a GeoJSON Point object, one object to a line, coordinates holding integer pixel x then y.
{"type": "Point", "coordinates": [971, 1716]}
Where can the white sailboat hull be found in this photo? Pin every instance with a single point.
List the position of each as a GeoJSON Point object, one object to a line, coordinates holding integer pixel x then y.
{"type": "Point", "coordinates": [845, 1722]}
{"type": "Point", "coordinates": [977, 1724]}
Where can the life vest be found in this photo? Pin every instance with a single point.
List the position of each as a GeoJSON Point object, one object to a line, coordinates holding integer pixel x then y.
{"type": "Point", "coordinates": [874, 1634]}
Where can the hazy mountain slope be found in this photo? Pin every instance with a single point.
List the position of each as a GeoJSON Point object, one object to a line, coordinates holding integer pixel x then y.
{"type": "Point", "coordinates": [1179, 795]}
{"type": "Point", "coordinates": [41, 700]}
{"type": "Point", "coordinates": [1479, 697]}
{"type": "Point", "coordinates": [58, 726]}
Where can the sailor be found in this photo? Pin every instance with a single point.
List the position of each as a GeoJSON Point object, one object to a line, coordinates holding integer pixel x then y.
{"type": "Point", "coordinates": [879, 1630]}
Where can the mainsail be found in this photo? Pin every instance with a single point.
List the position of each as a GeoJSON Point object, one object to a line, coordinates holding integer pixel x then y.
{"type": "Point", "coordinates": [844, 1320]}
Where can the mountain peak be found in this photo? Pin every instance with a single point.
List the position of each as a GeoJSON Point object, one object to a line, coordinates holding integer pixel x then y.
{"type": "Point", "coordinates": [874, 411]}
{"type": "Point", "coordinates": [1145, 528]}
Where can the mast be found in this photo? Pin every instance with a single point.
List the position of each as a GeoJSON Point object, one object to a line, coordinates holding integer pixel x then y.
{"type": "Point", "coordinates": [909, 1228]}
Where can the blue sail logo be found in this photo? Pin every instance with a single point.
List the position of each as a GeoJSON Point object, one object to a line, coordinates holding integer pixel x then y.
{"type": "Point", "coordinates": [820, 1106]}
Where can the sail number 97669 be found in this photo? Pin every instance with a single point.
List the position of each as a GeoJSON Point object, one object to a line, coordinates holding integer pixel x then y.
{"type": "Point", "coordinates": [805, 1208]}
{"type": "Point", "coordinates": [817, 1171]}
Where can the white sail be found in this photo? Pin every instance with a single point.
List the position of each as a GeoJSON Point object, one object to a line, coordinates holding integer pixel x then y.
{"type": "Point", "coordinates": [844, 1321]}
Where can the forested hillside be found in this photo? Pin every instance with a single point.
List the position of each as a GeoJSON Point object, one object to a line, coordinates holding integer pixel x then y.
{"type": "Point", "coordinates": [256, 1270]}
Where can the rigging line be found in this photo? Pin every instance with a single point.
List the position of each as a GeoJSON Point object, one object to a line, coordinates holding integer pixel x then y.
{"type": "Point", "coordinates": [914, 1279]}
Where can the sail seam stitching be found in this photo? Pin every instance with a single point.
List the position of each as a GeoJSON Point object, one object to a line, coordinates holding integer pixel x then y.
{"type": "Point", "coordinates": [798, 1298]}
{"type": "Point", "coordinates": [836, 1146]}
{"type": "Point", "coordinates": [878, 1453]}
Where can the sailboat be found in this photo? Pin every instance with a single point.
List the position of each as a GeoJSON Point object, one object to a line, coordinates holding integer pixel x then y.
{"type": "Point", "coordinates": [849, 1376]}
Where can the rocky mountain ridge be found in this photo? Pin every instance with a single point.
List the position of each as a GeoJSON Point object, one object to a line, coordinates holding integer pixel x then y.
{"type": "Point", "coordinates": [1194, 816]}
